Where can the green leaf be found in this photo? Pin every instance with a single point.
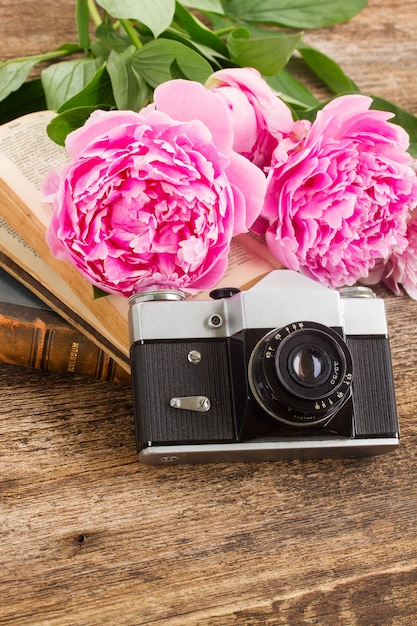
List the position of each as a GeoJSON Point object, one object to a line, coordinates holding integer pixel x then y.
{"type": "Point", "coordinates": [108, 38]}
{"type": "Point", "coordinates": [13, 74]}
{"type": "Point", "coordinates": [28, 98]}
{"type": "Point", "coordinates": [291, 90]}
{"type": "Point", "coordinates": [403, 118]}
{"type": "Point", "coordinates": [129, 89]}
{"type": "Point", "coordinates": [197, 31]}
{"type": "Point", "coordinates": [327, 70]}
{"type": "Point", "coordinates": [268, 55]}
{"type": "Point", "coordinates": [175, 71]}
{"type": "Point", "coordinates": [65, 49]}
{"type": "Point", "coordinates": [82, 16]}
{"type": "Point", "coordinates": [156, 15]}
{"type": "Point", "coordinates": [212, 6]}
{"type": "Point", "coordinates": [66, 79]}
{"type": "Point", "coordinates": [220, 22]}
{"type": "Point", "coordinates": [300, 14]}
{"type": "Point", "coordinates": [64, 123]}
{"type": "Point", "coordinates": [97, 93]}
{"type": "Point", "coordinates": [211, 56]}
{"type": "Point", "coordinates": [311, 113]}
{"type": "Point", "coordinates": [99, 293]}
{"type": "Point", "coordinates": [154, 60]}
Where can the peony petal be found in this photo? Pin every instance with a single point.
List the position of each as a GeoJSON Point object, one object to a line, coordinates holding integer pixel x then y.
{"type": "Point", "coordinates": [244, 119]}
{"type": "Point", "coordinates": [251, 182]}
{"type": "Point", "coordinates": [186, 100]}
{"type": "Point", "coordinates": [98, 125]}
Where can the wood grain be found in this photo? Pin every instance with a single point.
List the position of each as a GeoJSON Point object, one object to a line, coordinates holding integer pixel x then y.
{"type": "Point", "coordinates": [89, 536]}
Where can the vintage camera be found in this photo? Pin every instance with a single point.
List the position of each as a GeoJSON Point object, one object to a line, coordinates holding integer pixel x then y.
{"type": "Point", "coordinates": [287, 369]}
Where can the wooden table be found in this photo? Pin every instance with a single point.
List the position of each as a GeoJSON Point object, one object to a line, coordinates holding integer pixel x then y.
{"type": "Point", "coordinates": [89, 536]}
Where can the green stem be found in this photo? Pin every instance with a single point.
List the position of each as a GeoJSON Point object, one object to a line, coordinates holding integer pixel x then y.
{"type": "Point", "coordinates": [223, 31]}
{"type": "Point", "coordinates": [95, 15]}
{"type": "Point", "coordinates": [61, 52]}
{"type": "Point", "coordinates": [134, 38]}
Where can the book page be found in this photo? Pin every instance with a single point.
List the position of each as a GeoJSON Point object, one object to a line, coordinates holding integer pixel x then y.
{"type": "Point", "coordinates": [31, 155]}
{"type": "Point", "coordinates": [249, 261]}
{"type": "Point", "coordinates": [256, 245]}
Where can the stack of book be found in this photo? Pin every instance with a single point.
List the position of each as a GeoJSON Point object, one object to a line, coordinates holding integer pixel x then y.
{"type": "Point", "coordinates": [34, 335]}
{"type": "Point", "coordinates": [64, 327]}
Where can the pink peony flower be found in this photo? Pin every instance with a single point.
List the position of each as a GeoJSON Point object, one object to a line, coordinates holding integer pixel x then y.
{"type": "Point", "coordinates": [261, 120]}
{"type": "Point", "coordinates": [151, 199]}
{"type": "Point", "coordinates": [340, 201]}
{"type": "Point", "coordinates": [401, 267]}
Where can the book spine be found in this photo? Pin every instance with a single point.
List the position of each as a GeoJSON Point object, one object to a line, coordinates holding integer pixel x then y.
{"type": "Point", "coordinates": [41, 339]}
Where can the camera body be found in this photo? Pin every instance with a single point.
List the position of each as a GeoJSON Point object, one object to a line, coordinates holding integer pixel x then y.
{"type": "Point", "coordinates": [288, 369]}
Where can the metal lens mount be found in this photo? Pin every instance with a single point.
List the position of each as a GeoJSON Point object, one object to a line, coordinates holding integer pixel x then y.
{"type": "Point", "coordinates": [152, 295]}
{"type": "Point", "coordinates": [301, 374]}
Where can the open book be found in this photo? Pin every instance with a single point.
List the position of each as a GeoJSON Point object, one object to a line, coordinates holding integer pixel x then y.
{"type": "Point", "coordinates": [26, 155]}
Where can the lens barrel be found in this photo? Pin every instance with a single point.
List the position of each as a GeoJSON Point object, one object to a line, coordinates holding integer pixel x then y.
{"type": "Point", "coordinates": [301, 374]}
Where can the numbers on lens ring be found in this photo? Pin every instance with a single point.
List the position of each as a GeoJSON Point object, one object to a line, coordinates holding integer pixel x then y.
{"type": "Point", "coordinates": [289, 330]}
{"type": "Point", "coordinates": [297, 326]}
{"type": "Point", "coordinates": [323, 404]}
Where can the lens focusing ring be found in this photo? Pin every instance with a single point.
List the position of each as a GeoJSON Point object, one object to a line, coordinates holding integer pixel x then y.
{"type": "Point", "coordinates": [301, 374]}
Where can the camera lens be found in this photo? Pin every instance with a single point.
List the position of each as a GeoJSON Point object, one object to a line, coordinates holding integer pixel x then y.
{"type": "Point", "coordinates": [309, 365]}
{"type": "Point", "coordinates": [301, 374]}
